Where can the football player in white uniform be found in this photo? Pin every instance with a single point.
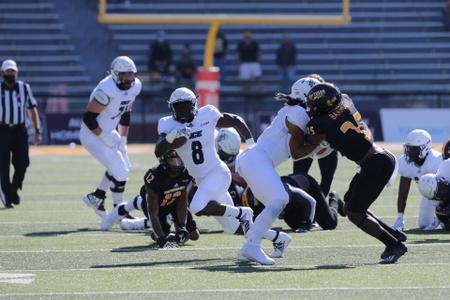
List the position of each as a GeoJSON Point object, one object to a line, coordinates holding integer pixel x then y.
{"type": "Point", "coordinates": [105, 127]}
{"type": "Point", "coordinates": [191, 132]}
{"type": "Point", "coordinates": [284, 138]}
{"type": "Point", "coordinates": [437, 187]}
{"type": "Point", "coordinates": [417, 160]}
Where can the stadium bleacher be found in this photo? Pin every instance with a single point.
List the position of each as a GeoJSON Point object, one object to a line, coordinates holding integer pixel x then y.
{"type": "Point", "coordinates": [393, 45]}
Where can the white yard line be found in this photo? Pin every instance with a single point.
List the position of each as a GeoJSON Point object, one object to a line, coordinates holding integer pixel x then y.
{"type": "Point", "coordinates": [187, 249]}
{"type": "Point", "coordinates": [200, 291]}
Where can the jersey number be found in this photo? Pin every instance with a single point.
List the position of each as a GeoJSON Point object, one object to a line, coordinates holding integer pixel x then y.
{"type": "Point", "coordinates": [197, 153]}
{"type": "Point", "coordinates": [361, 128]}
{"type": "Point", "coordinates": [122, 108]}
{"type": "Point", "coordinates": [169, 198]}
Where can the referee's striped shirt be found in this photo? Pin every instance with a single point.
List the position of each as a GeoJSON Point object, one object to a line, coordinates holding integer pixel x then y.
{"type": "Point", "coordinates": [14, 103]}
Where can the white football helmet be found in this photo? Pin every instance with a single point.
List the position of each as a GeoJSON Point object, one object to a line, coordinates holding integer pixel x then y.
{"type": "Point", "coordinates": [428, 185]}
{"type": "Point", "coordinates": [183, 114]}
{"type": "Point", "coordinates": [228, 144]}
{"type": "Point", "coordinates": [417, 145]}
{"type": "Point", "coordinates": [301, 88]}
{"type": "Point", "coordinates": [123, 64]}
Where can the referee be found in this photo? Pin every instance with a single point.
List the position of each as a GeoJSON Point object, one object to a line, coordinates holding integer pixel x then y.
{"type": "Point", "coordinates": [15, 98]}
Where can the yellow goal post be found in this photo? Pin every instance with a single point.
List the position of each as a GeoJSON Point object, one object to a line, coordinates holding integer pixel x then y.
{"type": "Point", "coordinates": [215, 20]}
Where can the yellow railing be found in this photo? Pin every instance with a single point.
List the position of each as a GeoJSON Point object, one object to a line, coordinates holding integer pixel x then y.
{"type": "Point", "coordinates": [215, 20]}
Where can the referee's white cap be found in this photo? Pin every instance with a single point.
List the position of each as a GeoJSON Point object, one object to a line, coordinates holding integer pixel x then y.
{"type": "Point", "coordinates": [9, 64]}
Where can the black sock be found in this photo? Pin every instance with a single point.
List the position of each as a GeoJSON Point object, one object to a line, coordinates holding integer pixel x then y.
{"type": "Point", "coordinates": [100, 194]}
{"type": "Point", "coordinates": [122, 211]}
{"type": "Point", "coordinates": [387, 238]}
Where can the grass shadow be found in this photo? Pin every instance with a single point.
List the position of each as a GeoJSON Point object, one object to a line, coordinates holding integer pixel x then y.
{"type": "Point", "coordinates": [426, 232]}
{"type": "Point", "coordinates": [60, 232]}
{"type": "Point", "coordinates": [157, 263]}
{"type": "Point", "coordinates": [250, 267]}
{"type": "Point", "coordinates": [429, 241]}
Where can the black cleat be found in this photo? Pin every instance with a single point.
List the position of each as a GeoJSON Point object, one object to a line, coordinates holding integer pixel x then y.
{"type": "Point", "coordinates": [400, 235]}
{"type": "Point", "coordinates": [15, 199]}
{"type": "Point", "coordinates": [8, 205]}
{"type": "Point", "coordinates": [392, 253]}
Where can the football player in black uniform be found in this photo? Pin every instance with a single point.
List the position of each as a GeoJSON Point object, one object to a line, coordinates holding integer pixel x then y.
{"type": "Point", "coordinates": [327, 161]}
{"type": "Point", "coordinates": [164, 193]}
{"type": "Point", "coordinates": [335, 121]}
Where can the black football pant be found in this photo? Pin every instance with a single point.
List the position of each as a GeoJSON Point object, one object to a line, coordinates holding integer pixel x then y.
{"type": "Point", "coordinates": [325, 216]}
{"type": "Point", "coordinates": [13, 148]}
{"type": "Point", "coordinates": [327, 166]}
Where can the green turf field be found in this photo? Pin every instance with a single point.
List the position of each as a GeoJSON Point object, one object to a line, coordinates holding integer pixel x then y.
{"type": "Point", "coordinates": [52, 242]}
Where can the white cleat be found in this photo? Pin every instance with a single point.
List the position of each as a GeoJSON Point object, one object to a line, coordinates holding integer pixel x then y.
{"type": "Point", "coordinates": [254, 253]}
{"type": "Point", "coordinates": [280, 244]}
{"type": "Point", "coordinates": [133, 224]}
{"type": "Point", "coordinates": [111, 218]}
{"type": "Point", "coordinates": [245, 218]}
{"type": "Point", "coordinates": [96, 203]}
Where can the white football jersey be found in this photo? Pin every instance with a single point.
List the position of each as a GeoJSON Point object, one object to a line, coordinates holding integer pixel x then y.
{"type": "Point", "coordinates": [199, 152]}
{"type": "Point", "coordinates": [444, 171]}
{"type": "Point", "coordinates": [274, 140]}
{"type": "Point", "coordinates": [410, 170]}
{"type": "Point", "coordinates": [116, 101]}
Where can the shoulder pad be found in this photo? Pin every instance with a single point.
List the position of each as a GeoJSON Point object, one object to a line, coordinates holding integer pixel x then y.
{"type": "Point", "coordinates": [101, 97]}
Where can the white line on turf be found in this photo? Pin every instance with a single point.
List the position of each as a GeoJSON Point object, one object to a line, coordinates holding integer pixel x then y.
{"type": "Point", "coordinates": [200, 291]}
{"type": "Point", "coordinates": [443, 244]}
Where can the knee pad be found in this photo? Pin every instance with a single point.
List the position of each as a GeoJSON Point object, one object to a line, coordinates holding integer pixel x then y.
{"type": "Point", "coordinates": [117, 186]}
{"type": "Point", "coordinates": [357, 218]}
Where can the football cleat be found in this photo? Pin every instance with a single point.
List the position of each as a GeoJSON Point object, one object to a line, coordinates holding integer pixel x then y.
{"type": "Point", "coordinates": [392, 253]}
{"type": "Point", "coordinates": [111, 218]}
{"type": "Point", "coordinates": [250, 252]}
{"type": "Point", "coordinates": [245, 217]}
{"type": "Point", "coordinates": [96, 203]}
{"type": "Point", "coordinates": [280, 244]}
{"type": "Point", "coordinates": [133, 224]}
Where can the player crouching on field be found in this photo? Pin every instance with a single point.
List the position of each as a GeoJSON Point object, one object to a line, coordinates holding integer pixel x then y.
{"type": "Point", "coordinates": [437, 187]}
{"type": "Point", "coordinates": [164, 193]}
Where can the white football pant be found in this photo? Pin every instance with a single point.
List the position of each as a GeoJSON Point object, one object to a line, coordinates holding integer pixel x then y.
{"type": "Point", "coordinates": [214, 187]}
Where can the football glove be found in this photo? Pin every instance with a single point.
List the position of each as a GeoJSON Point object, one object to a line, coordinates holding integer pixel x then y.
{"type": "Point", "coordinates": [399, 223]}
{"type": "Point", "coordinates": [182, 236]}
{"type": "Point", "coordinates": [177, 133]}
{"type": "Point", "coordinates": [166, 242]}
{"type": "Point", "coordinates": [110, 139]}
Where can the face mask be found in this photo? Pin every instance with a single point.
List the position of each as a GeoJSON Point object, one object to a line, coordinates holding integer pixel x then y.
{"type": "Point", "coordinates": [9, 78]}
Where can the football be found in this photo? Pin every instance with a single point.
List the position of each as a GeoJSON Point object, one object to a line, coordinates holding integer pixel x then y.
{"type": "Point", "coordinates": [178, 142]}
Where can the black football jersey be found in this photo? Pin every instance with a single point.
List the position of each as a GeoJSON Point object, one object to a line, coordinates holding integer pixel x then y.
{"type": "Point", "coordinates": [344, 129]}
{"type": "Point", "coordinates": [167, 188]}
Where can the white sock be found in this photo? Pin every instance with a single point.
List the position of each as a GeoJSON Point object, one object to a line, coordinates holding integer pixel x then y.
{"type": "Point", "coordinates": [103, 184]}
{"type": "Point", "coordinates": [129, 206]}
{"type": "Point", "coordinates": [261, 226]}
{"type": "Point", "coordinates": [117, 198]}
{"type": "Point", "coordinates": [231, 211]}
{"type": "Point", "coordinates": [270, 235]}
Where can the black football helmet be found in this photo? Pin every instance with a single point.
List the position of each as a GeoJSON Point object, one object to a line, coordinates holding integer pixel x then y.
{"type": "Point", "coordinates": [183, 104]}
{"type": "Point", "coordinates": [443, 214]}
{"type": "Point", "coordinates": [322, 99]}
{"type": "Point", "coordinates": [446, 150]}
{"type": "Point", "coordinates": [172, 163]}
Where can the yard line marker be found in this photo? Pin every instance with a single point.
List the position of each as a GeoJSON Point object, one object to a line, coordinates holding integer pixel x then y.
{"type": "Point", "coordinates": [228, 291]}
{"type": "Point", "coordinates": [444, 243]}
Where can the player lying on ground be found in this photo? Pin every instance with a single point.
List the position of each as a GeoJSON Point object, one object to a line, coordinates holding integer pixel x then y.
{"type": "Point", "coordinates": [418, 159]}
{"type": "Point", "coordinates": [190, 131]}
{"type": "Point", "coordinates": [163, 194]}
{"type": "Point", "coordinates": [298, 213]}
{"type": "Point", "coordinates": [336, 121]}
